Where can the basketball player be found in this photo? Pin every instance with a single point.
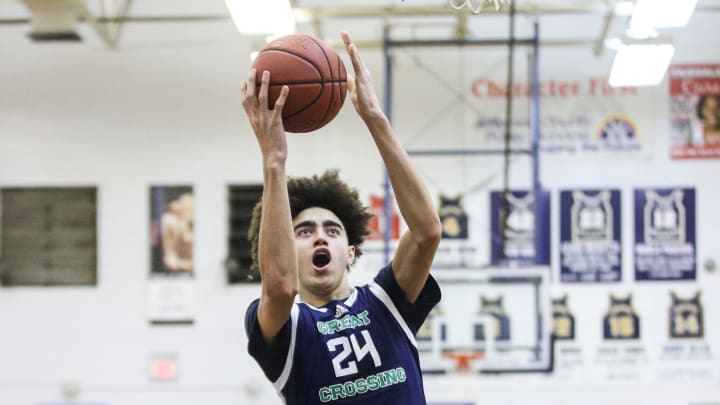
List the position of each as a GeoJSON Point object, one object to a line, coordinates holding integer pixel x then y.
{"type": "Point", "coordinates": [337, 344]}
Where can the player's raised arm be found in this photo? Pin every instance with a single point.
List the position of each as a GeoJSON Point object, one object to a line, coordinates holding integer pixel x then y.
{"type": "Point", "coordinates": [417, 247]}
{"type": "Point", "coordinates": [276, 247]}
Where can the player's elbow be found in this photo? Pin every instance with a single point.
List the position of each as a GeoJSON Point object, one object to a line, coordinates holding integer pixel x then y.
{"type": "Point", "coordinates": [430, 236]}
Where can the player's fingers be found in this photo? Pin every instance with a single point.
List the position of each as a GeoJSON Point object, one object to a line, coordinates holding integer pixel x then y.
{"type": "Point", "coordinates": [250, 84]}
{"type": "Point", "coordinates": [351, 84]}
{"type": "Point", "coordinates": [346, 38]}
{"type": "Point", "coordinates": [352, 51]}
{"type": "Point", "coordinates": [352, 91]}
{"type": "Point", "coordinates": [280, 103]}
{"type": "Point", "coordinates": [264, 84]}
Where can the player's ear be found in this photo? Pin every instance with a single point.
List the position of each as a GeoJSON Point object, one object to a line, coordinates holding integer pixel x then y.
{"type": "Point", "coordinates": [350, 255]}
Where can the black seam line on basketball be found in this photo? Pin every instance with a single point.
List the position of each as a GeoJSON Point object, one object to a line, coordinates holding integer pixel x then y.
{"type": "Point", "coordinates": [341, 94]}
{"type": "Point", "coordinates": [308, 105]}
{"type": "Point", "coordinates": [304, 82]}
{"type": "Point", "coordinates": [299, 55]}
{"type": "Point", "coordinates": [338, 75]}
{"type": "Point", "coordinates": [332, 77]}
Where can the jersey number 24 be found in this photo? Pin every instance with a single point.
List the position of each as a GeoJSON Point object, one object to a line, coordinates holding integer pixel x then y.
{"type": "Point", "coordinates": [349, 347]}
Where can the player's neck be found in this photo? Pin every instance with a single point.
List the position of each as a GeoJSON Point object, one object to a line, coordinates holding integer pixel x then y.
{"type": "Point", "coordinates": [320, 300]}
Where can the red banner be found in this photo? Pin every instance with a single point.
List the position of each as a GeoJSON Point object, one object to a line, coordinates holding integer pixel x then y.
{"type": "Point", "coordinates": [695, 111]}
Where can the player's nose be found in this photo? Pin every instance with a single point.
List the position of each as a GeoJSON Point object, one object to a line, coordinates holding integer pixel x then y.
{"type": "Point", "coordinates": [321, 240]}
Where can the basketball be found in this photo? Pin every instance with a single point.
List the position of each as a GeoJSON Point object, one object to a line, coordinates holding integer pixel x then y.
{"type": "Point", "coordinates": [315, 75]}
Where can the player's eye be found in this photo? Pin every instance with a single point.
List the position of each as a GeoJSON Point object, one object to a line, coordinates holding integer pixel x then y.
{"type": "Point", "coordinates": [334, 231]}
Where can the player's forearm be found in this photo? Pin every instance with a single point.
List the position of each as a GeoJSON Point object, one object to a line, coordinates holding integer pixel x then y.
{"type": "Point", "coordinates": [411, 194]}
{"type": "Point", "coordinates": [276, 249]}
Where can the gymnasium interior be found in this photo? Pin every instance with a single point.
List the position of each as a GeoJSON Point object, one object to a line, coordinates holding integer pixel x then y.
{"type": "Point", "coordinates": [571, 148]}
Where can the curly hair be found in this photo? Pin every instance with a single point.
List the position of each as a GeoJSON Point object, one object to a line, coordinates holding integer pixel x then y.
{"type": "Point", "coordinates": [325, 191]}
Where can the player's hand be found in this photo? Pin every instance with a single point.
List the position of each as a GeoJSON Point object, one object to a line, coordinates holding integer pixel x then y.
{"type": "Point", "coordinates": [266, 123]}
{"type": "Point", "coordinates": [361, 87]}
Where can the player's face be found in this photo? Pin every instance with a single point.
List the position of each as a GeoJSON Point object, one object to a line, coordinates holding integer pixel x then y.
{"type": "Point", "coordinates": [711, 112]}
{"type": "Point", "coordinates": [323, 253]}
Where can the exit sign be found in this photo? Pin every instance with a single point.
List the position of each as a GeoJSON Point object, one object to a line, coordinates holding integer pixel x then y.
{"type": "Point", "coordinates": [163, 368]}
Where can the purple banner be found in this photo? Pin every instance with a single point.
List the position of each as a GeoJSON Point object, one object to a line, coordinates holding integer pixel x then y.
{"type": "Point", "coordinates": [513, 240]}
{"type": "Point", "coordinates": [665, 234]}
{"type": "Point", "coordinates": [590, 248]}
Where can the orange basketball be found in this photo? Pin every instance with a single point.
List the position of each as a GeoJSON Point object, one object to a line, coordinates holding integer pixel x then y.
{"type": "Point", "coordinates": [315, 74]}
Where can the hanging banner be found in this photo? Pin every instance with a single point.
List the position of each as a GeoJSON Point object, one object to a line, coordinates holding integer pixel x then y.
{"type": "Point", "coordinates": [695, 111]}
{"type": "Point", "coordinates": [665, 234]}
{"type": "Point", "coordinates": [377, 223]}
{"type": "Point", "coordinates": [457, 247]}
{"type": "Point", "coordinates": [171, 289]}
{"type": "Point", "coordinates": [171, 229]}
{"type": "Point", "coordinates": [590, 248]}
{"type": "Point", "coordinates": [513, 224]}
{"type": "Point", "coordinates": [580, 114]}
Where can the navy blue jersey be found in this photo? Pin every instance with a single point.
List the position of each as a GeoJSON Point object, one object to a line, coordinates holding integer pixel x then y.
{"type": "Point", "coordinates": [358, 350]}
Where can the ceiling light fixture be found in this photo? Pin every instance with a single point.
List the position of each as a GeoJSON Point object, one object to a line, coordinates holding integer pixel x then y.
{"type": "Point", "coordinates": [662, 13]}
{"type": "Point", "coordinates": [271, 17]}
{"type": "Point", "coordinates": [641, 62]}
{"type": "Point", "coordinates": [54, 20]}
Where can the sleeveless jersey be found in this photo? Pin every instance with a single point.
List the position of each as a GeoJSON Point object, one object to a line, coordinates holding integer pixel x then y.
{"type": "Point", "coordinates": [358, 350]}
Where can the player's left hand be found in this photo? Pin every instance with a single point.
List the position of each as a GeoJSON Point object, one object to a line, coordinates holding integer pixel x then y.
{"type": "Point", "coordinates": [361, 87]}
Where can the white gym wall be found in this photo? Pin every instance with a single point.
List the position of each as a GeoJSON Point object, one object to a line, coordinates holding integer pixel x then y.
{"type": "Point", "coordinates": [165, 108]}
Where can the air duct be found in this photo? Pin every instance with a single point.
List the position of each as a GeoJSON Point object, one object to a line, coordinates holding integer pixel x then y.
{"type": "Point", "coordinates": [54, 20]}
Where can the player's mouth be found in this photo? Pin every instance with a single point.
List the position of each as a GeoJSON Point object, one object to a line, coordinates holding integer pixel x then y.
{"type": "Point", "coordinates": [321, 259]}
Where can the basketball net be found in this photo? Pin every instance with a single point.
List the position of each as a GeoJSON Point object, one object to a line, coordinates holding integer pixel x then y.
{"type": "Point", "coordinates": [481, 5]}
{"type": "Point", "coordinates": [464, 360]}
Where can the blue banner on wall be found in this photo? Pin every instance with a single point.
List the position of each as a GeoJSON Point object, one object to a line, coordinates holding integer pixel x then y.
{"type": "Point", "coordinates": [590, 248]}
{"type": "Point", "coordinates": [523, 215]}
{"type": "Point", "coordinates": [665, 234]}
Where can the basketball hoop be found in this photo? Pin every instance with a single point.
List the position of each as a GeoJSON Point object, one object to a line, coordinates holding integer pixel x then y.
{"type": "Point", "coordinates": [481, 6]}
{"type": "Point", "coordinates": [464, 359]}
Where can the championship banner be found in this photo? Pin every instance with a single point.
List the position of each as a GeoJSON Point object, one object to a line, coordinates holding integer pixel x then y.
{"type": "Point", "coordinates": [665, 234]}
{"type": "Point", "coordinates": [590, 248]}
{"type": "Point", "coordinates": [512, 222]}
{"type": "Point", "coordinates": [695, 111]}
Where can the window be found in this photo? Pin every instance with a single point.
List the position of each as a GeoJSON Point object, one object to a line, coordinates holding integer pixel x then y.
{"type": "Point", "coordinates": [48, 236]}
{"type": "Point", "coordinates": [242, 200]}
